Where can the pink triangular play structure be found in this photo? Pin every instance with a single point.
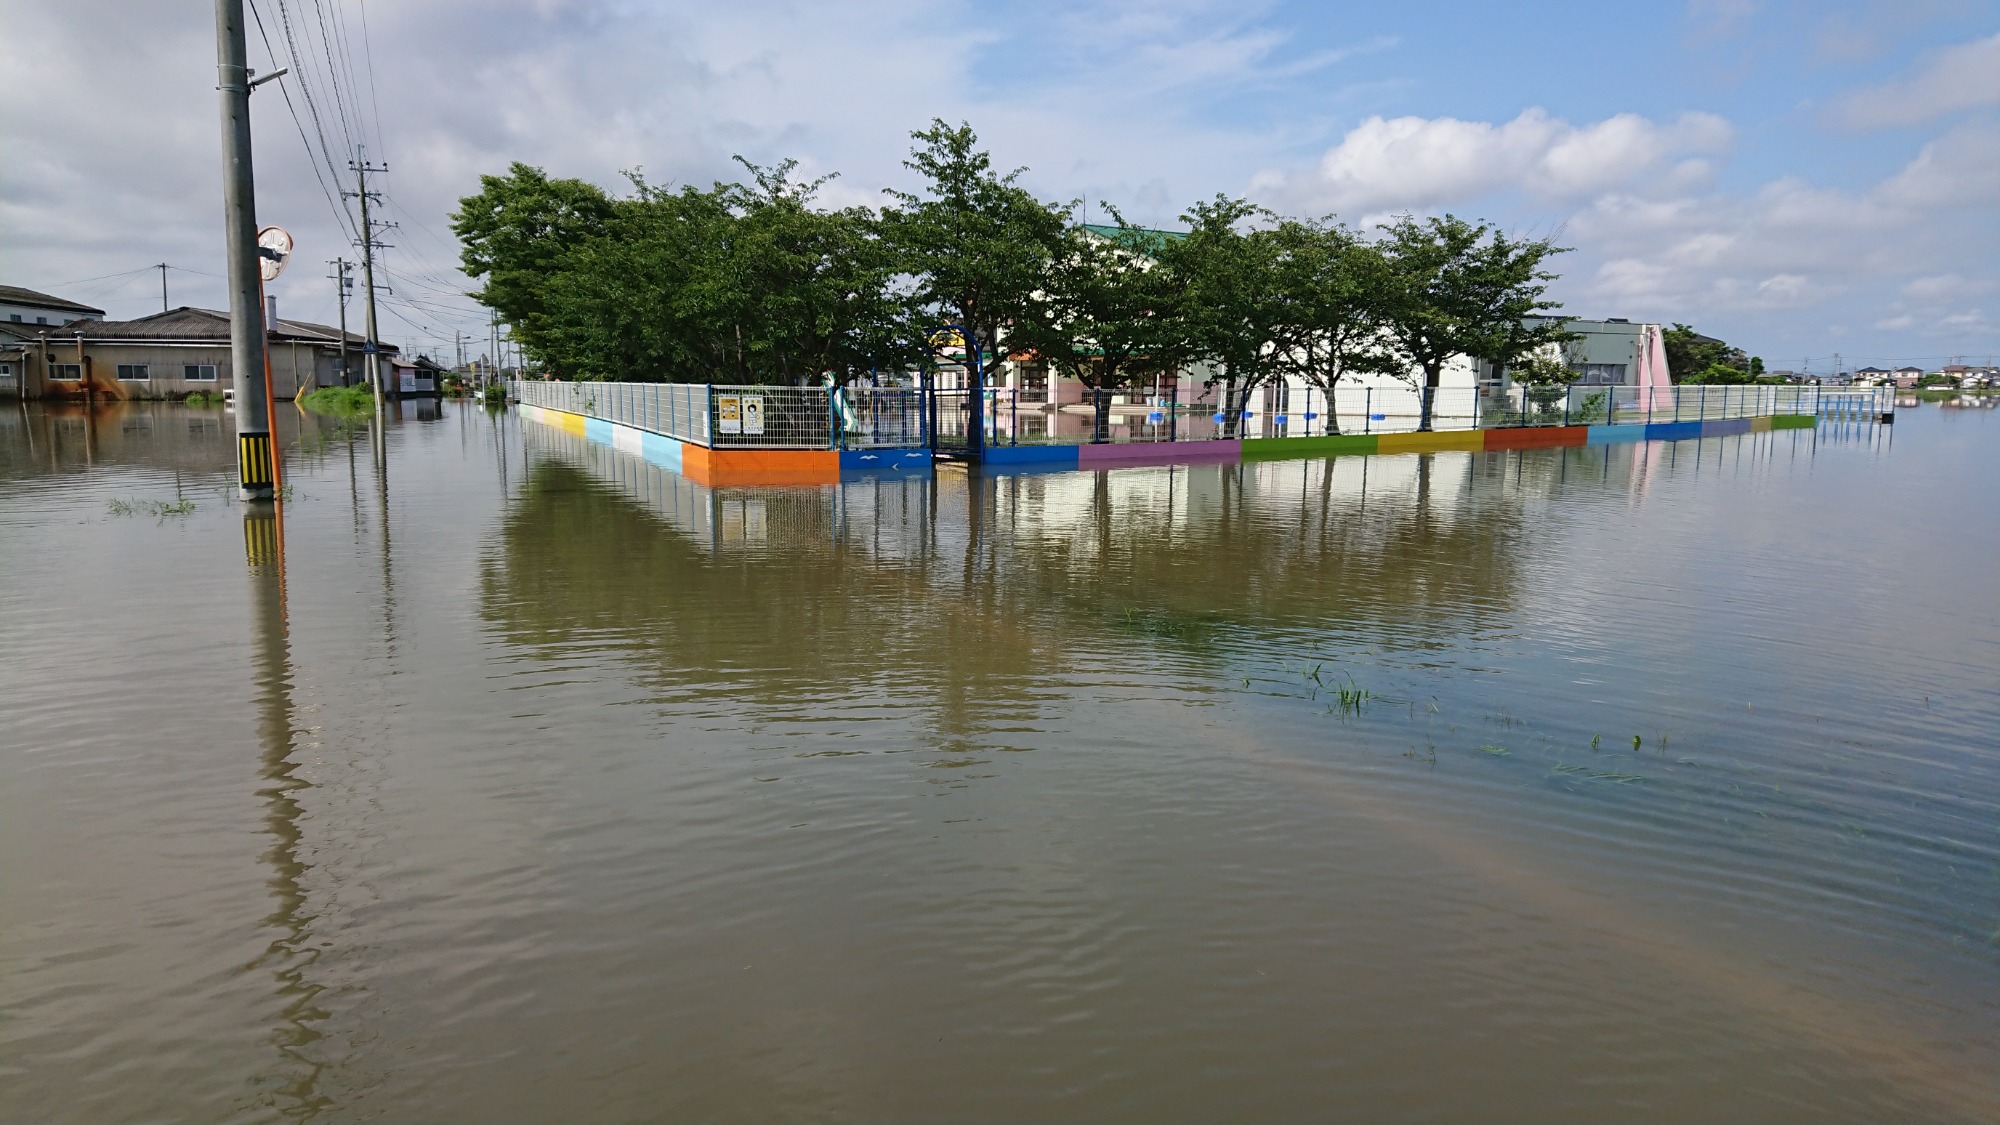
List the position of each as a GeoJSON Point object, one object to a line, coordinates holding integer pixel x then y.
{"type": "Point", "coordinates": [1656, 384]}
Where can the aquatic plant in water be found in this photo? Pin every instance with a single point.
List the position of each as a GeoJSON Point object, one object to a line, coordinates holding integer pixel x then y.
{"type": "Point", "coordinates": [159, 508]}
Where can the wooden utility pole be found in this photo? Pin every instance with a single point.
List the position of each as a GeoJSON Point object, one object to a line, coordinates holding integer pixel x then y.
{"type": "Point", "coordinates": [163, 287]}
{"type": "Point", "coordinates": [246, 310]}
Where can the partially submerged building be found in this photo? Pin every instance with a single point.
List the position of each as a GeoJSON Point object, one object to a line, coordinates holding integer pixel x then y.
{"type": "Point", "coordinates": [170, 355]}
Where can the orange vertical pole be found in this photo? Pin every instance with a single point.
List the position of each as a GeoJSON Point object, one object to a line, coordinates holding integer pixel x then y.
{"type": "Point", "coordinates": [271, 397]}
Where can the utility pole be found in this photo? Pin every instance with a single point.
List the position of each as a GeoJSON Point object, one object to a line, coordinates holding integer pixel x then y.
{"type": "Point", "coordinates": [246, 310]}
{"type": "Point", "coordinates": [163, 287]}
{"type": "Point", "coordinates": [342, 284]}
{"type": "Point", "coordinates": [372, 349]}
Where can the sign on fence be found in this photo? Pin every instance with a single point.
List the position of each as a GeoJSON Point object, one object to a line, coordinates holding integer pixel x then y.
{"type": "Point", "coordinates": [729, 414]}
{"type": "Point", "coordinates": [753, 414]}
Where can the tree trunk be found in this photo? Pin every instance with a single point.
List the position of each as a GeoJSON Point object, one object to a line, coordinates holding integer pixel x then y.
{"type": "Point", "coordinates": [1429, 396]}
{"type": "Point", "coordinates": [1229, 405]}
{"type": "Point", "coordinates": [1100, 426]}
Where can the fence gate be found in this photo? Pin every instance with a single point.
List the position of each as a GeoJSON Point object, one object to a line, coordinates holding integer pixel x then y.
{"type": "Point", "coordinates": [950, 421]}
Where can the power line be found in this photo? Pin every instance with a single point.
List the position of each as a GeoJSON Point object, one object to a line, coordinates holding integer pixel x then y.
{"type": "Point", "coordinates": [368, 56]}
{"type": "Point", "coordinates": [347, 126]}
{"type": "Point", "coordinates": [339, 209]}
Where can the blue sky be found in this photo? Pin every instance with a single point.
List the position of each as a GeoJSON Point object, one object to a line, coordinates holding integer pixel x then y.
{"type": "Point", "coordinates": [1804, 179]}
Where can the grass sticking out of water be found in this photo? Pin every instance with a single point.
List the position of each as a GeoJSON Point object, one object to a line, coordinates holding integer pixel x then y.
{"type": "Point", "coordinates": [158, 508]}
{"type": "Point", "coordinates": [1613, 776]}
{"type": "Point", "coordinates": [340, 402]}
{"type": "Point", "coordinates": [1496, 751]}
{"type": "Point", "coordinates": [1351, 695]}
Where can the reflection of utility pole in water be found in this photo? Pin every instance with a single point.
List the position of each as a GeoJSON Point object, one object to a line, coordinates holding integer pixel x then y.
{"type": "Point", "coordinates": [292, 952]}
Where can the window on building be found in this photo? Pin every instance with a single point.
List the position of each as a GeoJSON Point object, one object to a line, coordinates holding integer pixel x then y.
{"type": "Point", "coordinates": [65, 372]}
{"type": "Point", "coordinates": [134, 373]}
{"type": "Point", "coordinates": [6, 371]}
{"type": "Point", "coordinates": [41, 320]}
{"type": "Point", "coordinates": [199, 373]}
{"type": "Point", "coordinates": [15, 317]}
{"type": "Point", "coordinates": [1601, 374]}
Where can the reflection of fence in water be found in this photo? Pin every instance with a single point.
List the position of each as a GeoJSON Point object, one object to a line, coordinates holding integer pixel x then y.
{"type": "Point", "coordinates": [888, 517]}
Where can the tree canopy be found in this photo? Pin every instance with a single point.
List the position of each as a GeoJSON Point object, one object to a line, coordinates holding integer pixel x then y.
{"type": "Point", "coordinates": [757, 282]}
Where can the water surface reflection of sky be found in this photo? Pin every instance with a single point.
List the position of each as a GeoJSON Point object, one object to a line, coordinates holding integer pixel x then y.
{"type": "Point", "coordinates": [540, 783]}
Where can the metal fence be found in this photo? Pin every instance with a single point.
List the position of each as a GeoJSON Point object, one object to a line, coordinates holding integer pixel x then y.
{"type": "Point", "coordinates": [1279, 411]}
{"type": "Point", "coordinates": [753, 417]}
{"type": "Point", "coordinates": [776, 417]}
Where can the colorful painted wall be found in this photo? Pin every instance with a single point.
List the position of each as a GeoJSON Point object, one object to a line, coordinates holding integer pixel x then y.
{"type": "Point", "coordinates": [725, 467]}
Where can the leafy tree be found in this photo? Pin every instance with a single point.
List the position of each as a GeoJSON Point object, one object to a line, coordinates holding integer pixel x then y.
{"type": "Point", "coordinates": [1108, 314]}
{"type": "Point", "coordinates": [1717, 373]}
{"type": "Point", "coordinates": [818, 284]}
{"type": "Point", "coordinates": [656, 298]}
{"type": "Point", "coordinates": [1228, 309]}
{"type": "Point", "coordinates": [515, 232]}
{"type": "Point", "coordinates": [737, 283]}
{"type": "Point", "coordinates": [1545, 379]}
{"type": "Point", "coordinates": [1329, 289]}
{"type": "Point", "coordinates": [1690, 355]}
{"type": "Point", "coordinates": [1459, 288]}
{"type": "Point", "coordinates": [977, 245]}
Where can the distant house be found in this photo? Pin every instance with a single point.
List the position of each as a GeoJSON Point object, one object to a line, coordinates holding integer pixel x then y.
{"type": "Point", "coordinates": [165, 355]}
{"type": "Point", "coordinates": [417, 378]}
{"type": "Point", "coordinates": [1907, 377]}
{"type": "Point", "coordinates": [26, 306]}
{"type": "Point", "coordinates": [1873, 376]}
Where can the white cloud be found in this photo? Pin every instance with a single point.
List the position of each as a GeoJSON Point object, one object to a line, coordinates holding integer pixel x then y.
{"type": "Point", "coordinates": [1966, 76]}
{"type": "Point", "coordinates": [1961, 168]}
{"type": "Point", "coordinates": [1418, 162]}
{"type": "Point", "coordinates": [109, 148]}
{"type": "Point", "coordinates": [1791, 245]}
{"type": "Point", "coordinates": [1946, 288]}
{"type": "Point", "coordinates": [1656, 240]}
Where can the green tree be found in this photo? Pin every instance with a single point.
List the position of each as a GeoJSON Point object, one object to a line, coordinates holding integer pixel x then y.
{"type": "Point", "coordinates": [1690, 355]}
{"type": "Point", "coordinates": [515, 232]}
{"type": "Point", "coordinates": [817, 286]}
{"type": "Point", "coordinates": [977, 246]}
{"type": "Point", "coordinates": [656, 298]}
{"type": "Point", "coordinates": [736, 284]}
{"type": "Point", "coordinates": [1545, 380]}
{"type": "Point", "coordinates": [1328, 293]}
{"type": "Point", "coordinates": [1228, 314]}
{"type": "Point", "coordinates": [1459, 288]}
{"type": "Point", "coordinates": [1107, 314]}
{"type": "Point", "coordinates": [1717, 373]}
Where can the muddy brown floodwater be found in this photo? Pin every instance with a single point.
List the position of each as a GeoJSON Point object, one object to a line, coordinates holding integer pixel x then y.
{"type": "Point", "coordinates": [1650, 783]}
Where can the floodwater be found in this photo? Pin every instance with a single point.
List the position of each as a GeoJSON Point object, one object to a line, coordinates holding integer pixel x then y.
{"type": "Point", "coordinates": [540, 785]}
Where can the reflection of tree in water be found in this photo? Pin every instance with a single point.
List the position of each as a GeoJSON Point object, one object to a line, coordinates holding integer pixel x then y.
{"type": "Point", "coordinates": [1002, 581]}
{"type": "Point", "coordinates": [1304, 543]}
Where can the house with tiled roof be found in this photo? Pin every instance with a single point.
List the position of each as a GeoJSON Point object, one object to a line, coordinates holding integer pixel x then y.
{"type": "Point", "coordinates": [20, 306]}
{"type": "Point", "coordinates": [170, 355]}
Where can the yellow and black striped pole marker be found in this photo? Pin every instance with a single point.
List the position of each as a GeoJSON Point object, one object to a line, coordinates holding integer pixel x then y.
{"type": "Point", "coordinates": [253, 465]}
